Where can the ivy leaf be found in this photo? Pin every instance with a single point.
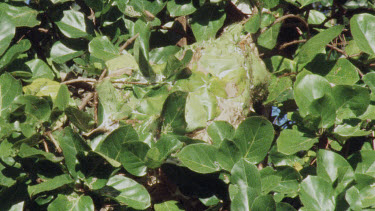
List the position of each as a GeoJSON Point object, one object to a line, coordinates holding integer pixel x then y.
{"type": "Point", "coordinates": [199, 158]}
{"type": "Point", "coordinates": [168, 206]}
{"type": "Point", "coordinates": [40, 69]}
{"type": "Point", "coordinates": [265, 202]}
{"type": "Point", "coordinates": [254, 137]}
{"type": "Point", "coordinates": [244, 174]}
{"type": "Point", "coordinates": [316, 44]}
{"type": "Point", "coordinates": [317, 194]}
{"type": "Point", "coordinates": [50, 184]}
{"type": "Point", "coordinates": [13, 52]}
{"type": "Point", "coordinates": [61, 53]}
{"type": "Point", "coordinates": [132, 157]}
{"type": "Point", "coordinates": [293, 141]}
{"type": "Point", "coordinates": [362, 26]}
{"type": "Point", "coordinates": [10, 88]}
{"type": "Point", "coordinates": [343, 73]}
{"type": "Point", "coordinates": [127, 191]}
{"type": "Point", "coordinates": [102, 48]}
{"type": "Point", "coordinates": [207, 21]}
{"type": "Point", "coordinates": [180, 7]}
{"type": "Point", "coordinates": [72, 24]}
{"type": "Point", "coordinates": [7, 31]}
{"type": "Point", "coordinates": [26, 151]}
{"type": "Point", "coordinates": [21, 16]}
{"type": "Point", "coordinates": [79, 118]}
{"type": "Point", "coordinates": [334, 168]}
{"type": "Point", "coordinates": [174, 113]}
{"type": "Point", "coordinates": [268, 39]}
{"type": "Point", "coordinates": [166, 145]}
{"type": "Point", "coordinates": [72, 202]}
{"type": "Point", "coordinates": [219, 131]}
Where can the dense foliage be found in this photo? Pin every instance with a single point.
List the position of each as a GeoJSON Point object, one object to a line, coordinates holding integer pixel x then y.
{"type": "Point", "coordinates": [187, 105]}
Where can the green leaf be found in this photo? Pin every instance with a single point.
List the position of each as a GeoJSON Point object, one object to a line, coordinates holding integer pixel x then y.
{"type": "Point", "coordinates": [111, 146]}
{"type": "Point", "coordinates": [62, 98]}
{"type": "Point", "coordinates": [127, 191]}
{"type": "Point", "coordinates": [306, 2]}
{"type": "Point", "coordinates": [102, 48]}
{"type": "Point", "coordinates": [280, 89]}
{"type": "Point", "coordinates": [313, 95]}
{"type": "Point", "coordinates": [293, 141]}
{"type": "Point", "coordinates": [40, 69]}
{"type": "Point", "coordinates": [36, 108]}
{"type": "Point", "coordinates": [219, 131]}
{"type": "Point", "coordinates": [268, 39]}
{"type": "Point", "coordinates": [347, 130]}
{"type": "Point", "coordinates": [80, 119]}
{"type": "Point", "coordinates": [7, 31]}
{"type": "Point", "coordinates": [72, 145]}
{"type": "Point", "coordinates": [316, 44]}
{"type": "Point", "coordinates": [50, 184]}
{"type": "Point", "coordinates": [180, 8]}
{"type": "Point", "coordinates": [207, 21]}
{"type": "Point", "coordinates": [253, 24]}
{"type": "Point", "coordinates": [254, 137]}
{"type": "Point", "coordinates": [72, 202]}
{"type": "Point", "coordinates": [362, 26]}
{"type": "Point", "coordinates": [317, 194]}
{"type": "Point", "coordinates": [352, 196]}
{"type": "Point", "coordinates": [334, 168]}
{"type": "Point", "coordinates": [174, 113]}
{"type": "Point", "coordinates": [228, 154]}
{"type": "Point", "coordinates": [265, 202]}
{"type": "Point", "coordinates": [10, 88]}
{"type": "Point", "coordinates": [166, 145]}
{"type": "Point", "coordinates": [282, 206]}
{"type": "Point", "coordinates": [43, 87]}
{"type": "Point", "coordinates": [351, 101]}
{"type": "Point", "coordinates": [244, 174]}
{"type": "Point", "coordinates": [363, 163]}
{"type": "Point", "coordinates": [112, 102]}
{"type": "Point", "coordinates": [72, 24]}
{"type": "Point", "coordinates": [26, 151]}
{"type": "Point", "coordinates": [243, 198]}
{"type": "Point", "coordinates": [199, 158]}
{"type": "Point", "coordinates": [168, 206]}
{"type": "Point", "coordinates": [160, 55]}
{"type": "Point", "coordinates": [369, 80]}
{"type": "Point", "coordinates": [21, 16]}
{"type": "Point", "coordinates": [61, 53]}
{"type": "Point", "coordinates": [343, 73]}
{"type": "Point", "coordinates": [132, 157]}
{"type": "Point", "coordinates": [122, 65]}
{"type": "Point", "coordinates": [13, 52]}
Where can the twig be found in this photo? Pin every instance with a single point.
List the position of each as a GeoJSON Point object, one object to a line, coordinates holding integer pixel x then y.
{"type": "Point", "coordinates": [291, 43]}
{"type": "Point", "coordinates": [96, 102]}
{"type": "Point", "coordinates": [286, 17]}
{"type": "Point", "coordinates": [338, 50]}
{"type": "Point", "coordinates": [128, 42]}
{"type": "Point", "coordinates": [135, 83]}
{"type": "Point", "coordinates": [79, 80]}
{"type": "Point", "coordinates": [104, 73]}
{"type": "Point", "coordinates": [45, 145]}
{"type": "Point", "coordinates": [85, 100]}
{"type": "Point", "coordinates": [373, 140]}
{"type": "Point", "coordinates": [53, 140]}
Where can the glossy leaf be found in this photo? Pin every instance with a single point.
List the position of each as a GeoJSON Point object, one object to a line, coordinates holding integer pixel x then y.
{"type": "Point", "coordinates": [79, 118]}
{"type": "Point", "coordinates": [132, 157]}
{"type": "Point", "coordinates": [166, 145]}
{"type": "Point", "coordinates": [174, 113]}
{"type": "Point", "coordinates": [21, 16]}
{"type": "Point", "coordinates": [199, 158]}
{"type": "Point", "coordinates": [49, 185]}
{"type": "Point", "coordinates": [72, 145]}
{"type": "Point", "coordinates": [219, 131]}
{"type": "Point", "coordinates": [369, 79]}
{"type": "Point", "coordinates": [168, 206]}
{"type": "Point", "coordinates": [361, 26]}
{"type": "Point", "coordinates": [111, 146]}
{"type": "Point", "coordinates": [7, 32]}
{"type": "Point", "coordinates": [13, 52]}
{"type": "Point", "coordinates": [102, 48]}
{"type": "Point", "coordinates": [61, 53]}
{"type": "Point", "coordinates": [72, 24]}
{"type": "Point", "coordinates": [206, 22]}
{"type": "Point", "coordinates": [317, 194]}
{"type": "Point", "coordinates": [343, 73]}
{"type": "Point", "coordinates": [10, 88]}
{"type": "Point", "coordinates": [244, 174]}
{"type": "Point", "coordinates": [72, 202]}
{"type": "Point", "coordinates": [26, 152]}
{"type": "Point", "coordinates": [127, 191]}
{"type": "Point", "coordinates": [40, 69]}
{"type": "Point", "coordinates": [228, 154]}
{"type": "Point", "coordinates": [316, 44]}
{"type": "Point", "coordinates": [334, 168]}
{"type": "Point", "coordinates": [293, 141]}
{"type": "Point", "coordinates": [254, 137]}
{"type": "Point", "coordinates": [180, 7]}
{"type": "Point", "coordinates": [265, 202]}
{"type": "Point", "coordinates": [268, 39]}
